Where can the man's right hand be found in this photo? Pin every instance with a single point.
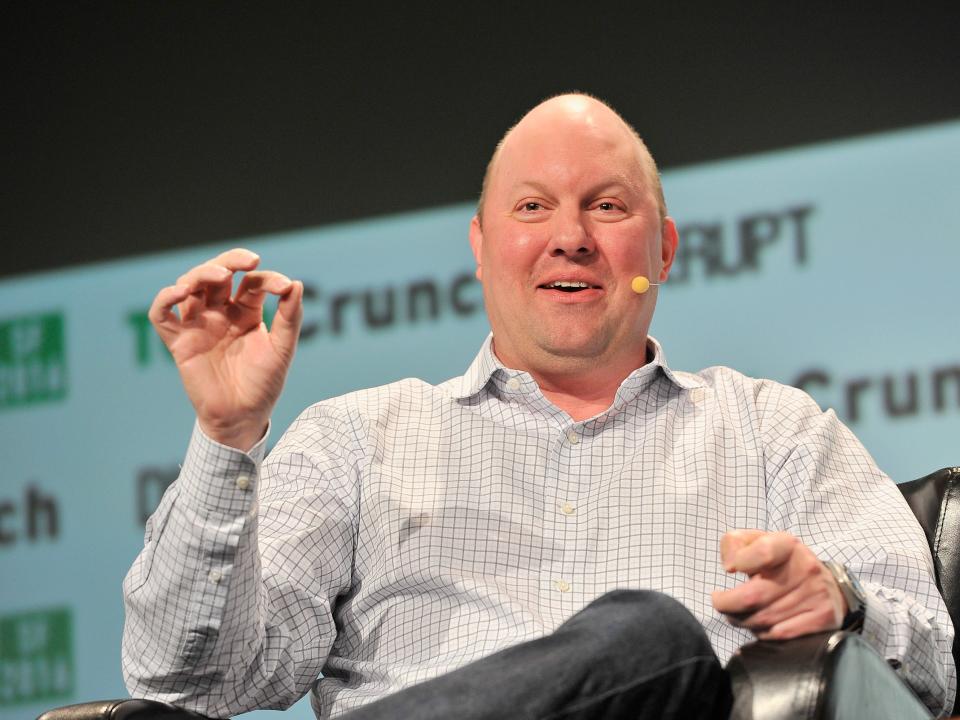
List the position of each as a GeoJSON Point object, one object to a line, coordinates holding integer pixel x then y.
{"type": "Point", "coordinates": [232, 368]}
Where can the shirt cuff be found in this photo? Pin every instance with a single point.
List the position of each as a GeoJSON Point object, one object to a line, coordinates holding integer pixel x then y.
{"type": "Point", "coordinates": [220, 480]}
{"type": "Point", "coordinates": [876, 625]}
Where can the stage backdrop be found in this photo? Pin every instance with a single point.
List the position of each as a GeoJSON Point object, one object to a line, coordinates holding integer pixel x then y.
{"type": "Point", "coordinates": [831, 267]}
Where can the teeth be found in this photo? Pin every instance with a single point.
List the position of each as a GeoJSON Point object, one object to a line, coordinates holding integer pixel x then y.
{"type": "Point", "coordinates": [568, 283]}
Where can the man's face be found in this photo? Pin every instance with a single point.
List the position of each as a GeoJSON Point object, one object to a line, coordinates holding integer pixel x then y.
{"type": "Point", "coordinates": [570, 201]}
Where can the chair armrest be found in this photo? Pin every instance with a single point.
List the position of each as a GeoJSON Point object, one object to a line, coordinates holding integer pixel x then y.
{"type": "Point", "coordinates": [818, 677]}
{"type": "Point", "coordinates": [126, 709]}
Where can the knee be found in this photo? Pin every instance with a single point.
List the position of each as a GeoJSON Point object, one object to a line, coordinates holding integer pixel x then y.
{"type": "Point", "coordinates": [643, 619]}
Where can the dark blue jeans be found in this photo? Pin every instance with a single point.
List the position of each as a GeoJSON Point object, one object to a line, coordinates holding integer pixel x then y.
{"type": "Point", "coordinates": [629, 654]}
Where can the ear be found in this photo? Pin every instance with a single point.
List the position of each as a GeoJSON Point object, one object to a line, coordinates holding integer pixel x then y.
{"type": "Point", "coordinates": [669, 239]}
{"type": "Point", "coordinates": [476, 242]}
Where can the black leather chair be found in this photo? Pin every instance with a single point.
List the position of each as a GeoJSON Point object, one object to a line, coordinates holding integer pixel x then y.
{"type": "Point", "coordinates": [818, 677]}
{"type": "Point", "coordinates": [836, 675]}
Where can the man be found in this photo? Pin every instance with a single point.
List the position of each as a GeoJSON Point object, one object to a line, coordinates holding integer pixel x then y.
{"type": "Point", "coordinates": [462, 541]}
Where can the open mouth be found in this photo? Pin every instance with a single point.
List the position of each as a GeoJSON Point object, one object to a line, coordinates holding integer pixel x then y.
{"type": "Point", "coordinates": [569, 286]}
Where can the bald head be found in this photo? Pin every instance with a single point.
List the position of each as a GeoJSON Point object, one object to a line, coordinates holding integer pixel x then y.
{"type": "Point", "coordinates": [576, 112]}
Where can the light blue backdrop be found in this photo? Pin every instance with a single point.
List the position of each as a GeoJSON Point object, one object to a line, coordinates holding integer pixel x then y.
{"type": "Point", "coordinates": [836, 262]}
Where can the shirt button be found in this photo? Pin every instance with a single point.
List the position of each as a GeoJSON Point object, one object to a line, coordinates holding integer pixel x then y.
{"type": "Point", "coordinates": [562, 585]}
{"type": "Point", "coordinates": [215, 577]}
{"type": "Point", "coordinates": [513, 384]}
{"type": "Point", "coordinates": [572, 437]}
{"type": "Point", "coordinates": [567, 509]}
{"type": "Point", "coordinates": [243, 482]}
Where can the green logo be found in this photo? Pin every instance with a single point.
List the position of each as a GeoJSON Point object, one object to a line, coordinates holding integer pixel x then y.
{"type": "Point", "coordinates": [36, 657]}
{"type": "Point", "coordinates": [33, 360]}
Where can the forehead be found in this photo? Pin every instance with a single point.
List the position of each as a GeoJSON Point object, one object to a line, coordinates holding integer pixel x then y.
{"type": "Point", "coordinates": [569, 152]}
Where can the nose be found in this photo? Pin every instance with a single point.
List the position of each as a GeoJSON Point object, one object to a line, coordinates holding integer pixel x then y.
{"type": "Point", "coordinates": [569, 236]}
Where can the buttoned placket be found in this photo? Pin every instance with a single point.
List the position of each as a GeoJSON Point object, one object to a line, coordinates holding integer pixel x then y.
{"type": "Point", "coordinates": [242, 481]}
{"type": "Point", "coordinates": [561, 491]}
{"type": "Point", "coordinates": [569, 447]}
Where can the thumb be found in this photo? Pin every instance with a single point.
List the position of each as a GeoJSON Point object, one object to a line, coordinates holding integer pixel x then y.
{"type": "Point", "coordinates": [285, 328]}
{"type": "Point", "coordinates": [732, 542]}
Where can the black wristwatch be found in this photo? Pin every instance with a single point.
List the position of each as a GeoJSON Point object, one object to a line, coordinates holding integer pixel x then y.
{"type": "Point", "coordinates": [852, 592]}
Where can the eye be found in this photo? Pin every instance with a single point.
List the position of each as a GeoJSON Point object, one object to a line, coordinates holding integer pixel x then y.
{"type": "Point", "coordinates": [609, 210]}
{"type": "Point", "coordinates": [531, 211]}
{"type": "Point", "coordinates": [608, 206]}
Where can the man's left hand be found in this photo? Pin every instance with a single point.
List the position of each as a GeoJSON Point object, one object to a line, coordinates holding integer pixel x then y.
{"type": "Point", "coordinates": [789, 593]}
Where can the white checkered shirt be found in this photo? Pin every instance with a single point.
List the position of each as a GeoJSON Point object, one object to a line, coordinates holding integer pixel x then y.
{"type": "Point", "coordinates": [399, 532]}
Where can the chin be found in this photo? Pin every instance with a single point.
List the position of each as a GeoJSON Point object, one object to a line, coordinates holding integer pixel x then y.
{"type": "Point", "coordinates": [569, 347]}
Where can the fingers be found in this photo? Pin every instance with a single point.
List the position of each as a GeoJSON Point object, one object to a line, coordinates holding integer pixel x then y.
{"type": "Point", "coordinates": [790, 592]}
{"type": "Point", "coordinates": [237, 259]}
{"type": "Point", "coordinates": [732, 541]}
{"type": "Point", "coordinates": [209, 285]}
{"type": "Point", "coordinates": [813, 620]}
{"type": "Point", "coordinates": [749, 597]}
{"type": "Point", "coordinates": [211, 282]}
{"type": "Point", "coordinates": [285, 329]}
{"type": "Point", "coordinates": [221, 267]}
{"type": "Point", "coordinates": [255, 287]}
{"type": "Point", "coordinates": [761, 604]}
{"type": "Point", "coordinates": [161, 311]}
{"type": "Point", "coordinates": [817, 619]}
{"type": "Point", "coordinates": [752, 551]}
{"type": "Point", "coordinates": [813, 601]}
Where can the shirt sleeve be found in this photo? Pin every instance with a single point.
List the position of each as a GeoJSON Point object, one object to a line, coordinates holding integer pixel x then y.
{"type": "Point", "coordinates": [824, 487]}
{"type": "Point", "coordinates": [230, 604]}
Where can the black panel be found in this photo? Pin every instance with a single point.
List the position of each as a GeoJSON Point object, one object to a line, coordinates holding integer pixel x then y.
{"type": "Point", "coordinates": [133, 127]}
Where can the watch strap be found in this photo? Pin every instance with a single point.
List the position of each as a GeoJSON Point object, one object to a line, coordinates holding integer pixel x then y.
{"type": "Point", "coordinates": [852, 593]}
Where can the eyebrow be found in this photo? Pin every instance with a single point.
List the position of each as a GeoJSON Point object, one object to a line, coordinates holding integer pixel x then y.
{"type": "Point", "coordinates": [532, 184]}
{"type": "Point", "coordinates": [607, 184]}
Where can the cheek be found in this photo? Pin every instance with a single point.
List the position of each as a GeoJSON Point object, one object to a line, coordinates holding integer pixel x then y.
{"type": "Point", "coordinates": [650, 257]}
{"type": "Point", "coordinates": [634, 260]}
{"type": "Point", "coordinates": [513, 257]}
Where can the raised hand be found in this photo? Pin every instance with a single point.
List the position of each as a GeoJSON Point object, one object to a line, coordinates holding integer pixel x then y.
{"type": "Point", "coordinates": [789, 593]}
{"type": "Point", "coordinates": [232, 367]}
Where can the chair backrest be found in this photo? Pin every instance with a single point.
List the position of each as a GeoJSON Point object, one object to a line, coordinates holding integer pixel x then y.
{"type": "Point", "coordinates": [935, 500]}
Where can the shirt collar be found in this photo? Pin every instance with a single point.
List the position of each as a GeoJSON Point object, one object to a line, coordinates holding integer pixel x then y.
{"type": "Point", "coordinates": [486, 364]}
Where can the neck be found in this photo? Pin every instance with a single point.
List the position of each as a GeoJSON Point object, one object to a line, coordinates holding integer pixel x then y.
{"type": "Point", "coordinates": [579, 406]}
{"type": "Point", "coordinates": [582, 388]}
